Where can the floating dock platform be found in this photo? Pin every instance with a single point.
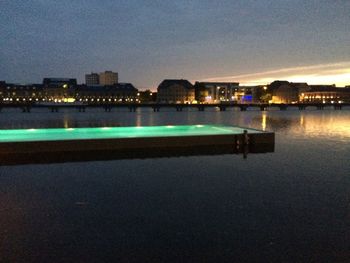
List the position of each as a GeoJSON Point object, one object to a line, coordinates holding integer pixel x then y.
{"type": "Point", "coordinates": [25, 146]}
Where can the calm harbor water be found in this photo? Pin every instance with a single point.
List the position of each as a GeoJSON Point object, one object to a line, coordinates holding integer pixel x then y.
{"type": "Point", "coordinates": [292, 205]}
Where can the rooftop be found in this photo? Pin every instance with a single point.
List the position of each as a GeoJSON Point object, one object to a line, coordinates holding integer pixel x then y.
{"type": "Point", "coordinates": [169, 82]}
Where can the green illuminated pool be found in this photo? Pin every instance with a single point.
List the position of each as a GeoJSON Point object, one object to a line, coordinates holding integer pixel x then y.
{"type": "Point", "coordinates": [32, 135]}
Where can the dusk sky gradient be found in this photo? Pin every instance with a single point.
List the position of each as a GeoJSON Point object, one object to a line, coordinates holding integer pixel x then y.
{"type": "Point", "coordinates": [247, 41]}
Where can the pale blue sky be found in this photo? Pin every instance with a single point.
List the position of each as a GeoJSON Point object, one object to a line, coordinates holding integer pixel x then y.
{"type": "Point", "coordinates": [147, 41]}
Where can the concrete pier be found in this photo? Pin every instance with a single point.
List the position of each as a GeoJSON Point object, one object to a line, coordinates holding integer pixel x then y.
{"type": "Point", "coordinates": [20, 147]}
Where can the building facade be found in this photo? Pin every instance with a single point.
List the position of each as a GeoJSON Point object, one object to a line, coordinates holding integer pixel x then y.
{"type": "Point", "coordinates": [147, 96]}
{"type": "Point", "coordinates": [59, 89]}
{"type": "Point", "coordinates": [108, 78]}
{"type": "Point", "coordinates": [62, 93]}
{"type": "Point", "coordinates": [215, 92]}
{"type": "Point", "coordinates": [248, 94]}
{"type": "Point", "coordinates": [284, 92]}
{"type": "Point", "coordinates": [16, 93]}
{"type": "Point", "coordinates": [118, 93]}
{"type": "Point", "coordinates": [326, 94]}
{"type": "Point", "coordinates": [175, 91]}
{"type": "Point", "coordinates": [59, 82]}
{"type": "Point", "coordinates": [92, 79]}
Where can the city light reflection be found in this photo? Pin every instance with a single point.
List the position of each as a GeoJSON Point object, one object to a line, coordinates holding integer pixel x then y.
{"type": "Point", "coordinates": [335, 127]}
{"type": "Point", "coordinates": [263, 121]}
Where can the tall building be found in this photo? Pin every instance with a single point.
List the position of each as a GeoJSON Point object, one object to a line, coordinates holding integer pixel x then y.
{"type": "Point", "coordinates": [108, 78]}
{"type": "Point", "coordinates": [92, 79]}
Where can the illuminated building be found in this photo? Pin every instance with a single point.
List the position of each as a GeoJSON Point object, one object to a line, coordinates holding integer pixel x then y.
{"type": "Point", "coordinates": [249, 94]}
{"type": "Point", "coordinates": [13, 93]}
{"type": "Point", "coordinates": [215, 92]}
{"type": "Point", "coordinates": [147, 96]}
{"type": "Point", "coordinates": [59, 82]}
{"type": "Point", "coordinates": [175, 91]}
{"type": "Point", "coordinates": [326, 94]}
{"type": "Point", "coordinates": [108, 78]}
{"type": "Point", "coordinates": [119, 93]}
{"type": "Point", "coordinates": [62, 92]}
{"type": "Point", "coordinates": [286, 92]}
{"type": "Point", "coordinates": [226, 92]}
{"type": "Point", "coordinates": [58, 89]}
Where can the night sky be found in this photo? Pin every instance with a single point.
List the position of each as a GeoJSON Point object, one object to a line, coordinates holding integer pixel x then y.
{"type": "Point", "coordinates": [147, 41]}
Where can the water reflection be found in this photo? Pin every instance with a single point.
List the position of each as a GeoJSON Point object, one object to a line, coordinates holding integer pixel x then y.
{"type": "Point", "coordinates": [302, 120]}
{"type": "Point", "coordinates": [290, 206]}
{"type": "Point", "coordinates": [65, 121]}
{"type": "Point", "coordinates": [308, 123]}
{"type": "Point", "coordinates": [263, 121]}
{"type": "Point", "coordinates": [313, 123]}
{"type": "Point", "coordinates": [269, 121]}
{"type": "Point", "coordinates": [335, 127]}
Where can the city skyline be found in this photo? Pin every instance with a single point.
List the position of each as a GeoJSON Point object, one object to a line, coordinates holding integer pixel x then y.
{"type": "Point", "coordinates": [246, 41]}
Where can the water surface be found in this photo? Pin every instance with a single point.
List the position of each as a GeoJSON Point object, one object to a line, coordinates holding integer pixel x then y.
{"type": "Point", "coordinates": [292, 205]}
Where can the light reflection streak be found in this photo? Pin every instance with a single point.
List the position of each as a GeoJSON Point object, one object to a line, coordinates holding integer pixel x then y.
{"type": "Point", "coordinates": [301, 120]}
{"type": "Point", "coordinates": [138, 120]}
{"type": "Point", "coordinates": [263, 121]}
{"type": "Point", "coordinates": [65, 123]}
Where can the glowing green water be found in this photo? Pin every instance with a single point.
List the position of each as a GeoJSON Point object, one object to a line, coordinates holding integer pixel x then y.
{"type": "Point", "coordinates": [24, 135]}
